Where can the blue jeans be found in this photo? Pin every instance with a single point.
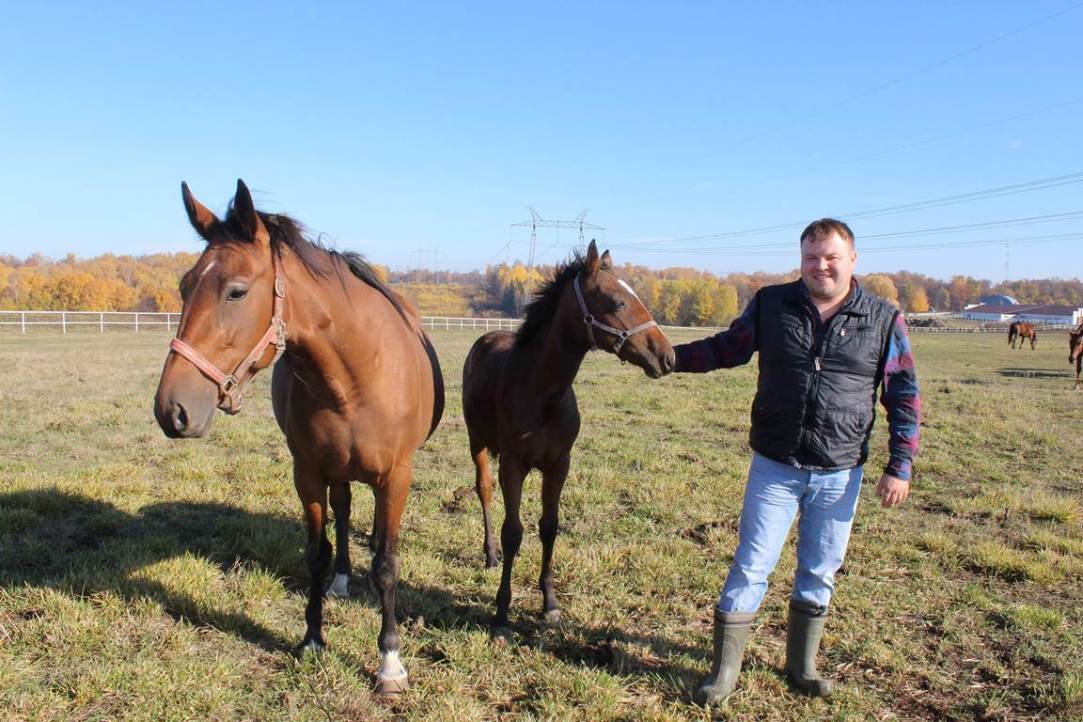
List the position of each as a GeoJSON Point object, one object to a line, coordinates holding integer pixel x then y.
{"type": "Point", "coordinates": [775, 493]}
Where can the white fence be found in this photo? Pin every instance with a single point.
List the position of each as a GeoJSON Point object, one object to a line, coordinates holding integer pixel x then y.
{"type": "Point", "coordinates": [100, 321]}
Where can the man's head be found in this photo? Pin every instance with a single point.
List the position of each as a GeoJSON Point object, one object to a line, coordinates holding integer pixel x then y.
{"type": "Point", "coordinates": [827, 259]}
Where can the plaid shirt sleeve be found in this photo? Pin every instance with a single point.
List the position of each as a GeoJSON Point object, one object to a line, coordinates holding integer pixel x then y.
{"type": "Point", "coordinates": [901, 398]}
{"type": "Point", "coordinates": [732, 347]}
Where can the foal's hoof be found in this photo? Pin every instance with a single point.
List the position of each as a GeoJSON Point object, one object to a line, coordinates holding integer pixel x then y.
{"type": "Point", "coordinates": [392, 687]}
{"type": "Point", "coordinates": [491, 561]}
{"type": "Point", "coordinates": [552, 616]}
{"type": "Point", "coordinates": [340, 587]}
{"type": "Point", "coordinates": [501, 633]}
{"type": "Point", "coordinates": [310, 645]}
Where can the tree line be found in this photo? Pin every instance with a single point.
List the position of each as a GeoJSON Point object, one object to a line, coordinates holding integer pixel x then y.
{"type": "Point", "coordinates": [678, 296]}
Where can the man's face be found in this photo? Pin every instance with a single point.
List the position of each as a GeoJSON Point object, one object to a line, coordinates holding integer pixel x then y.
{"type": "Point", "coordinates": [827, 266]}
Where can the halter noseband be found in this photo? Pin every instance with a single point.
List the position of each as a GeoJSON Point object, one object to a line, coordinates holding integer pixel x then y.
{"type": "Point", "coordinates": [593, 323]}
{"type": "Point", "coordinates": [231, 385]}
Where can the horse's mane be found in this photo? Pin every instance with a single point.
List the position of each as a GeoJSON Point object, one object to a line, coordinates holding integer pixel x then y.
{"type": "Point", "coordinates": [540, 311]}
{"type": "Point", "coordinates": [319, 260]}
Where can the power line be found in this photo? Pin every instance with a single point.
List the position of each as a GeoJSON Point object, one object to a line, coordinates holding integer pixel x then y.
{"type": "Point", "coordinates": [1026, 187]}
{"type": "Point", "coordinates": [908, 75]}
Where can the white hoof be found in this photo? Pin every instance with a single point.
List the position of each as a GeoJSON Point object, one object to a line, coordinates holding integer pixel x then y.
{"type": "Point", "coordinates": [340, 587]}
{"type": "Point", "coordinates": [392, 677]}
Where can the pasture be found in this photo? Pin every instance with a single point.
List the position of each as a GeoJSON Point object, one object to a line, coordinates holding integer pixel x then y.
{"type": "Point", "coordinates": [148, 579]}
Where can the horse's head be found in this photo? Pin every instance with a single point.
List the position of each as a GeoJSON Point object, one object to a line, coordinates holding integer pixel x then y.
{"type": "Point", "coordinates": [231, 320]}
{"type": "Point", "coordinates": [1075, 344]}
{"type": "Point", "coordinates": [612, 318]}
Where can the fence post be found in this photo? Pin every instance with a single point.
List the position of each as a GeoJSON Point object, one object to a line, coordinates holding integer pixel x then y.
{"type": "Point", "coordinates": [101, 321]}
{"type": "Point", "coordinates": [63, 321]}
{"type": "Point", "coordinates": [137, 321]}
{"type": "Point", "coordinates": [168, 328]}
{"type": "Point", "coordinates": [24, 322]}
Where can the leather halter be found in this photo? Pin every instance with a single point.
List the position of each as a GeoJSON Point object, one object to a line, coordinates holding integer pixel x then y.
{"type": "Point", "coordinates": [230, 386]}
{"type": "Point", "coordinates": [593, 323]}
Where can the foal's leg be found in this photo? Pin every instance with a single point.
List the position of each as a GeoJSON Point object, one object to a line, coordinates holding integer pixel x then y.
{"type": "Point", "coordinates": [548, 525]}
{"type": "Point", "coordinates": [340, 504]}
{"type": "Point", "coordinates": [390, 500]}
{"type": "Point", "coordinates": [313, 494]}
{"type": "Point", "coordinates": [483, 485]}
{"type": "Point", "coordinates": [512, 472]}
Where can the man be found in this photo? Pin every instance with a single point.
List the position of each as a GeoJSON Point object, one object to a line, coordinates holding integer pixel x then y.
{"type": "Point", "coordinates": [825, 346]}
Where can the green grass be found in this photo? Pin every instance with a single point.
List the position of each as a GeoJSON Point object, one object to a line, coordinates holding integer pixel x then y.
{"type": "Point", "coordinates": [148, 579]}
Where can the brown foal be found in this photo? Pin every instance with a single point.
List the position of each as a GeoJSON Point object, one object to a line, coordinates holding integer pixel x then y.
{"type": "Point", "coordinates": [519, 404]}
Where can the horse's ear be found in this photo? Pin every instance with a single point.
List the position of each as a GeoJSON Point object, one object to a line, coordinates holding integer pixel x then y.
{"type": "Point", "coordinates": [245, 211]}
{"type": "Point", "coordinates": [201, 218]}
{"type": "Point", "coordinates": [606, 262]}
{"type": "Point", "coordinates": [593, 261]}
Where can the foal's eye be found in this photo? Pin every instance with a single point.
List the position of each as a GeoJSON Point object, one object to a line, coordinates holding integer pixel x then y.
{"type": "Point", "coordinates": [237, 294]}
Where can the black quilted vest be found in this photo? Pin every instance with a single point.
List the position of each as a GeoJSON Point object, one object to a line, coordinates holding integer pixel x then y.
{"type": "Point", "coordinates": [815, 409]}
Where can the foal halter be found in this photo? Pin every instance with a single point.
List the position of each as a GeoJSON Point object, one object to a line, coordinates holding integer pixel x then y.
{"type": "Point", "coordinates": [593, 323]}
{"type": "Point", "coordinates": [230, 386]}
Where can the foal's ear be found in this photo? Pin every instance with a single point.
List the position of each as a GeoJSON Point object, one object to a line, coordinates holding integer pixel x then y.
{"type": "Point", "coordinates": [606, 262]}
{"type": "Point", "coordinates": [201, 218]}
{"type": "Point", "coordinates": [593, 261]}
{"type": "Point", "coordinates": [245, 211]}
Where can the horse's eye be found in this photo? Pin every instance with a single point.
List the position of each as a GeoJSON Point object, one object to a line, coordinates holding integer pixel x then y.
{"type": "Point", "coordinates": [237, 294]}
{"type": "Point", "coordinates": [619, 306]}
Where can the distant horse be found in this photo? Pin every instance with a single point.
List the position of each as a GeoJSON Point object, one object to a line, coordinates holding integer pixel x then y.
{"type": "Point", "coordinates": [1022, 331]}
{"type": "Point", "coordinates": [357, 390]}
{"type": "Point", "coordinates": [519, 404]}
{"type": "Point", "coordinates": [1075, 352]}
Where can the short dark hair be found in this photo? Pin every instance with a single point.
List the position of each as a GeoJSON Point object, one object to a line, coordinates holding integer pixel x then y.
{"type": "Point", "coordinates": [823, 228]}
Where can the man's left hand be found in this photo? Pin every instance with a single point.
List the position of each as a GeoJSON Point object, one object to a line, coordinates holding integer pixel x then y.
{"type": "Point", "coordinates": [892, 491]}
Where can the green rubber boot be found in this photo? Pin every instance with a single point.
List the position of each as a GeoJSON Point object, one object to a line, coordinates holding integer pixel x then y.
{"type": "Point", "coordinates": [730, 637]}
{"type": "Point", "coordinates": [804, 630]}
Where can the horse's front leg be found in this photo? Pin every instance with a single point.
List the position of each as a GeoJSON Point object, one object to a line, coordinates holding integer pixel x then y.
{"type": "Point", "coordinates": [340, 504]}
{"type": "Point", "coordinates": [548, 525]}
{"type": "Point", "coordinates": [511, 473]}
{"type": "Point", "coordinates": [390, 501]}
{"type": "Point", "coordinates": [313, 494]}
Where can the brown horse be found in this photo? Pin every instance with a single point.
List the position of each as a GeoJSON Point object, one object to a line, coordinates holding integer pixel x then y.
{"type": "Point", "coordinates": [1022, 331]}
{"type": "Point", "coordinates": [357, 390]}
{"type": "Point", "coordinates": [519, 404]}
{"type": "Point", "coordinates": [1075, 352]}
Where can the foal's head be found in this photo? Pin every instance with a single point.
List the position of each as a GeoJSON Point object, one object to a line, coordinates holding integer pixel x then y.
{"type": "Point", "coordinates": [610, 316]}
{"type": "Point", "coordinates": [229, 297]}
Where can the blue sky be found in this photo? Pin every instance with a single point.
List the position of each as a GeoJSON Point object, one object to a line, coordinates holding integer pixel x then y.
{"type": "Point", "coordinates": [436, 125]}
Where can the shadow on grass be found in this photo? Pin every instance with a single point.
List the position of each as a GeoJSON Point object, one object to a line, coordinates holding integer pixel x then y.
{"type": "Point", "coordinates": [80, 546]}
{"type": "Point", "coordinates": [1033, 373]}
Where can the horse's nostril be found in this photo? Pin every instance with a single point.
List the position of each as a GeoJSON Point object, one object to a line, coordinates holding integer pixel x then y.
{"type": "Point", "coordinates": [180, 418]}
{"type": "Point", "coordinates": [669, 361]}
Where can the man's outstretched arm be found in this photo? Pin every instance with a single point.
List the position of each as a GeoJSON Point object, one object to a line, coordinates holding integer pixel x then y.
{"type": "Point", "coordinates": [726, 349]}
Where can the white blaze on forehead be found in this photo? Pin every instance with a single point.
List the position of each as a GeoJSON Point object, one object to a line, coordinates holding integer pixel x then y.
{"type": "Point", "coordinates": [627, 288]}
{"type": "Point", "coordinates": [208, 267]}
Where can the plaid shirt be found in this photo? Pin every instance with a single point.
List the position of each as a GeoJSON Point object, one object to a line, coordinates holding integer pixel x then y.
{"type": "Point", "coordinates": [899, 394]}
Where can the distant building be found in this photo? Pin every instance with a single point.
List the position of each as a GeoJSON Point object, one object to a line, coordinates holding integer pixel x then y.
{"type": "Point", "coordinates": [1048, 315]}
{"type": "Point", "coordinates": [998, 299]}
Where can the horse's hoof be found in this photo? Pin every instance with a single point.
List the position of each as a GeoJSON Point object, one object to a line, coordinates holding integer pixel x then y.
{"type": "Point", "coordinates": [340, 587]}
{"type": "Point", "coordinates": [490, 561]}
{"type": "Point", "coordinates": [552, 616]}
{"type": "Point", "coordinates": [390, 687]}
{"type": "Point", "coordinates": [312, 645]}
{"type": "Point", "coordinates": [501, 633]}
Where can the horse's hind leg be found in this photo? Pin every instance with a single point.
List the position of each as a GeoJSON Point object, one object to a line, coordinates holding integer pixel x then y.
{"type": "Point", "coordinates": [313, 494]}
{"type": "Point", "coordinates": [548, 525]}
{"type": "Point", "coordinates": [483, 485]}
{"type": "Point", "coordinates": [512, 473]}
{"type": "Point", "coordinates": [390, 500]}
{"type": "Point", "coordinates": [340, 504]}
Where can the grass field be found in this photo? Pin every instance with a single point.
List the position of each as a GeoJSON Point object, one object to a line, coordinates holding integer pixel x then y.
{"type": "Point", "coordinates": [148, 579]}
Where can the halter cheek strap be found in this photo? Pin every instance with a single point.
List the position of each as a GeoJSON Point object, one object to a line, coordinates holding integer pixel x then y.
{"type": "Point", "coordinates": [593, 323]}
{"type": "Point", "coordinates": [230, 386]}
